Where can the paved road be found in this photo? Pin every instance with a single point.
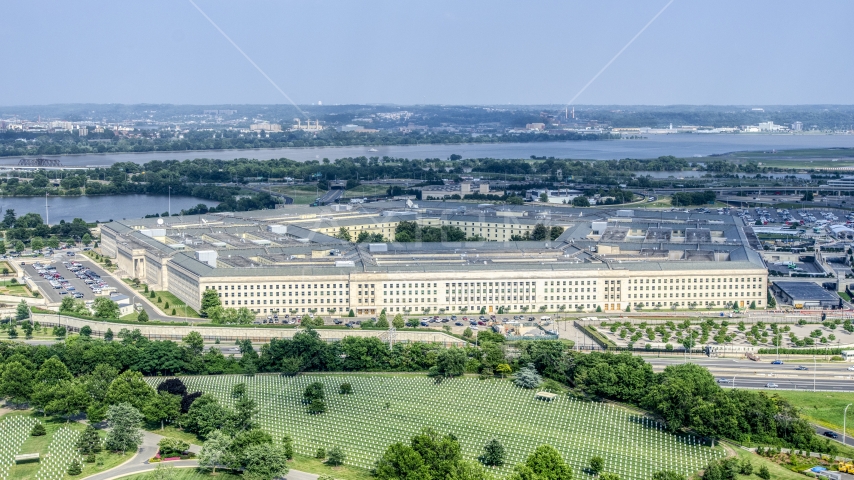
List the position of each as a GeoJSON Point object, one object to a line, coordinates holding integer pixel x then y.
{"type": "Point", "coordinates": [747, 373]}
{"type": "Point", "coordinates": [848, 440]}
{"type": "Point", "coordinates": [139, 463]}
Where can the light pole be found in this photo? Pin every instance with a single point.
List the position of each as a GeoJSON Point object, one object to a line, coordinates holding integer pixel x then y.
{"type": "Point", "coordinates": [814, 368]}
{"type": "Point", "coordinates": [170, 201]}
{"type": "Point", "coordinates": [844, 412]}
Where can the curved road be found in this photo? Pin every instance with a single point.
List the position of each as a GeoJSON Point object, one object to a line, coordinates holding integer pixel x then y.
{"type": "Point", "coordinates": [139, 463]}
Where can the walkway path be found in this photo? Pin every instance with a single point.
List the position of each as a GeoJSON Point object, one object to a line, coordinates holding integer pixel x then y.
{"type": "Point", "coordinates": [139, 462]}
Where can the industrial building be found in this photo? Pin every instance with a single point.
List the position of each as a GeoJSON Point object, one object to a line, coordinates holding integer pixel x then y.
{"type": "Point", "coordinates": [806, 295]}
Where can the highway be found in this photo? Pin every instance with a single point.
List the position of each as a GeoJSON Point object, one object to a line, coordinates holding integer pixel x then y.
{"type": "Point", "coordinates": [749, 374]}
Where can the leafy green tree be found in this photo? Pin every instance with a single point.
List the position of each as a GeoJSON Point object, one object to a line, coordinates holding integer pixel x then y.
{"type": "Point", "coordinates": [336, 456]}
{"type": "Point", "coordinates": [314, 391]}
{"type": "Point", "coordinates": [172, 446]}
{"type": "Point", "coordinates": [37, 243]}
{"type": "Point", "coordinates": [124, 434]}
{"type": "Point", "coordinates": [398, 321]}
{"type": "Point", "coordinates": [545, 463]}
{"type": "Point", "coordinates": [503, 369]}
{"type": "Point", "coordinates": [345, 389]}
{"type": "Point", "coordinates": [580, 201]}
{"type": "Point", "coordinates": [3, 251]}
{"type": "Point", "coordinates": [597, 463]}
{"type": "Point", "coordinates": [86, 331]}
{"type": "Point", "coordinates": [264, 462]}
{"type": "Point", "coordinates": [401, 461]}
{"type": "Point", "coordinates": [105, 308]}
{"type": "Point", "coordinates": [210, 299]}
{"type": "Point", "coordinates": [16, 383]}
{"type": "Point", "coordinates": [108, 335]}
{"type": "Point", "coordinates": [451, 362]}
{"type": "Point", "coordinates": [194, 342]}
{"type": "Point", "coordinates": [317, 407]}
{"type": "Point", "coordinates": [493, 454]}
{"type": "Point", "coordinates": [22, 312]}
{"type": "Point", "coordinates": [19, 246]}
{"type": "Point", "coordinates": [38, 430]}
{"type": "Point", "coordinates": [205, 415]}
{"type": "Point", "coordinates": [667, 475]}
{"type": "Point", "coordinates": [87, 239]}
{"type": "Point", "coordinates": [608, 476]}
{"type": "Point", "coordinates": [67, 398]}
{"type": "Point", "coordinates": [130, 388]}
{"type": "Point", "coordinates": [344, 234]}
{"type": "Point", "coordinates": [215, 450]}
{"type": "Point", "coordinates": [763, 473]}
{"type": "Point", "coordinates": [142, 316]}
{"type": "Point", "coordinates": [161, 408]}
{"type": "Point", "coordinates": [539, 233]}
{"type": "Point", "coordinates": [288, 446]}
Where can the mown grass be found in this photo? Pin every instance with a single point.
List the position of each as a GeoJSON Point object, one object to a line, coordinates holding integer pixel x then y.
{"type": "Point", "coordinates": [181, 308]}
{"type": "Point", "coordinates": [185, 474]}
{"type": "Point", "coordinates": [28, 470]}
{"type": "Point", "coordinates": [823, 408]}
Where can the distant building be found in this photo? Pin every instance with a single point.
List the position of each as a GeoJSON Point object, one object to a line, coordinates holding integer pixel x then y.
{"type": "Point", "coordinates": [797, 126]}
{"type": "Point", "coordinates": [462, 189]}
{"type": "Point", "coordinates": [265, 126]}
{"type": "Point", "coordinates": [563, 195]}
{"type": "Point", "coordinates": [311, 127]}
{"type": "Point", "coordinates": [82, 131]}
{"type": "Point", "coordinates": [357, 128]}
{"type": "Point", "coordinates": [536, 126]}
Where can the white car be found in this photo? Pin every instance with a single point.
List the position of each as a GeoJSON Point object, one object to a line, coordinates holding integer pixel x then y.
{"type": "Point", "coordinates": [851, 368]}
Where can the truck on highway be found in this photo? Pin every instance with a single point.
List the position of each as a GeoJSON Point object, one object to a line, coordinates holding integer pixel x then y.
{"type": "Point", "coordinates": [752, 356]}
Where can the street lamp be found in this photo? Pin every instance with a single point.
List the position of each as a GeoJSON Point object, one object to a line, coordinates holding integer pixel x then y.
{"type": "Point", "coordinates": [844, 412]}
{"type": "Point", "coordinates": [814, 368]}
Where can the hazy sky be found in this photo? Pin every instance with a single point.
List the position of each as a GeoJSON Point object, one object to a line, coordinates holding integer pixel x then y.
{"type": "Point", "coordinates": [453, 52]}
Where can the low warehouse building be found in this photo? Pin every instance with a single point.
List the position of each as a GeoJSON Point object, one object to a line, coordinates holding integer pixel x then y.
{"type": "Point", "coordinates": [806, 295]}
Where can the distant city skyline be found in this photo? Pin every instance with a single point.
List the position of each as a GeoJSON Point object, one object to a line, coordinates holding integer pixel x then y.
{"type": "Point", "coordinates": [438, 52]}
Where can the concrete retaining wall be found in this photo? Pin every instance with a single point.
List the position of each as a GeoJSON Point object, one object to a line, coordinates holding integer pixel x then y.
{"type": "Point", "coordinates": [231, 333]}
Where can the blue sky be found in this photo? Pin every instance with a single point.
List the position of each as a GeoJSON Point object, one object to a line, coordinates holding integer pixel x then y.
{"type": "Point", "coordinates": [406, 52]}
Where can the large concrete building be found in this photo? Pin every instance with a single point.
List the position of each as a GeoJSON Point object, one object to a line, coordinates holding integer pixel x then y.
{"type": "Point", "coordinates": [289, 260]}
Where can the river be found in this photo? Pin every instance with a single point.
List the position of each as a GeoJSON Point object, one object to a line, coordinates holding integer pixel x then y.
{"type": "Point", "coordinates": [680, 145]}
{"type": "Point", "coordinates": [99, 207]}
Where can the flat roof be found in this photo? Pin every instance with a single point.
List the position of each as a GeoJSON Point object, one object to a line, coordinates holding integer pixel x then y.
{"type": "Point", "coordinates": [807, 291]}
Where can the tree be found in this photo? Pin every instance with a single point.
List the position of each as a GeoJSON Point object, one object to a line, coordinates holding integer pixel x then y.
{"type": "Point", "coordinates": [172, 446]}
{"type": "Point", "coordinates": [86, 331]}
{"type": "Point", "coordinates": [316, 407]}
{"type": "Point", "coordinates": [539, 233]}
{"type": "Point", "coordinates": [345, 389]}
{"type": "Point", "coordinates": [75, 468]}
{"type": "Point", "coordinates": [667, 475]}
{"type": "Point", "coordinates": [244, 409]}
{"type": "Point", "coordinates": [314, 391]}
{"type": "Point", "coordinates": [493, 454]}
{"type": "Point", "coordinates": [344, 234]}
{"type": "Point", "coordinates": [129, 387]}
{"type": "Point", "coordinates": [288, 446]}
{"type": "Point", "coordinates": [608, 476]}
{"type": "Point", "coordinates": [142, 316]}
{"type": "Point", "coordinates": [204, 415]}
{"type": "Point", "coordinates": [162, 407]}
{"type": "Point", "coordinates": [597, 464]}
{"type": "Point", "coordinates": [580, 201]}
{"type": "Point", "coordinates": [89, 441]}
{"type": "Point", "coordinates": [3, 252]}
{"type": "Point", "coordinates": [210, 299]}
{"type": "Point", "coordinates": [27, 327]}
{"type": "Point", "coordinates": [38, 430]}
{"type": "Point", "coordinates": [544, 463]}
{"type": "Point", "coordinates": [124, 434]}
{"type": "Point", "coordinates": [544, 197]}
{"type": "Point", "coordinates": [264, 462]}
{"type": "Point", "coordinates": [336, 456]}
{"type": "Point", "coordinates": [87, 239]}
{"type": "Point", "coordinates": [214, 450]}
{"type": "Point", "coordinates": [37, 243]}
{"type": "Point", "coordinates": [401, 461]}
{"type": "Point", "coordinates": [763, 473]}
{"type": "Point", "coordinates": [527, 377]}
{"type": "Point", "coordinates": [103, 307]}
{"type": "Point", "coordinates": [503, 369]}
{"type": "Point", "coordinates": [194, 342]}
{"type": "Point", "coordinates": [66, 399]}
{"type": "Point", "coordinates": [108, 336]}
{"type": "Point", "coordinates": [451, 362]}
{"type": "Point", "coordinates": [16, 383]}
{"type": "Point", "coordinates": [398, 321]}
{"type": "Point", "coordinates": [22, 312]}
{"type": "Point", "coordinates": [19, 246]}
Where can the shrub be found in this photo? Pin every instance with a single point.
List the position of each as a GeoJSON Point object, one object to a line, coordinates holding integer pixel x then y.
{"type": "Point", "coordinates": [320, 454]}
{"type": "Point", "coordinates": [38, 430]}
{"type": "Point", "coordinates": [345, 389]}
{"type": "Point", "coordinates": [336, 457]}
{"type": "Point", "coordinates": [527, 377]}
{"type": "Point", "coordinates": [75, 468]}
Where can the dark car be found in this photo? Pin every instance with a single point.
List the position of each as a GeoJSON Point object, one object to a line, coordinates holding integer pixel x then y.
{"type": "Point", "coordinates": [459, 324]}
{"type": "Point", "coordinates": [830, 434]}
{"type": "Point", "coordinates": [801, 367]}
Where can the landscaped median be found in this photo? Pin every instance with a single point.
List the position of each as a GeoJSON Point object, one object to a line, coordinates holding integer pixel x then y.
{"type": "Point", "coordinates": [258, 333]}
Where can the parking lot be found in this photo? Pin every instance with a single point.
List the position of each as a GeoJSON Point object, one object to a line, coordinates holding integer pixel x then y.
{"type": "Point", "coordinates": [71, 284]}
